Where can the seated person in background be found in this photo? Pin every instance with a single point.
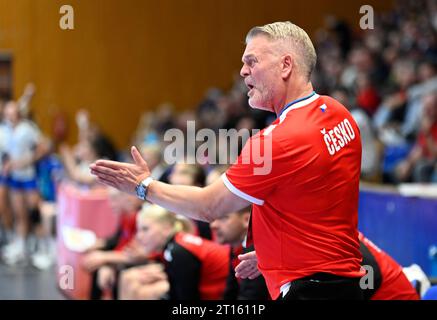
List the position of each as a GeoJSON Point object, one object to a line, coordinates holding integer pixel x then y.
{"type": "Point", "coordinates": [421, 163]}
{"type": "Point", "coordinates": [105, 282]}
{"type": "Point", "coordinates": [191, 175]}
{"type": "Point", "coordinates": [196, 268]}
{"type": "Point", "coordinates": [231, 229]}
{"type": "Point", "coordinates": [118, 249]}
{"type": "Point", "coordinates": [389, 281]}
{"type": "Point", "coordinates": [148, 282]}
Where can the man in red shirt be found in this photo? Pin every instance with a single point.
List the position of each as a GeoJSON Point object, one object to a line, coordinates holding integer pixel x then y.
{"type": "Point", "coordinates": [388, 279]}
{"type": "Point", "coordinates": [300, 174]}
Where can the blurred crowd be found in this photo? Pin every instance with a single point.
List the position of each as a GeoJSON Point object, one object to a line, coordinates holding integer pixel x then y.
{"type": "Point", "coordinates": [387, 77]}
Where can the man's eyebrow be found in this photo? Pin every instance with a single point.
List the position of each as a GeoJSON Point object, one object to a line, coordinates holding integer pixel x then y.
{"type": "Point", "coordinates": [248, 56]}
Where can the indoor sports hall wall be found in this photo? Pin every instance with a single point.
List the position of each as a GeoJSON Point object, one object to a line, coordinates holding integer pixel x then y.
{"type": "Point", "coordinates": [403, 226]}
{"type": "Point", "coordinates": [125, 56]}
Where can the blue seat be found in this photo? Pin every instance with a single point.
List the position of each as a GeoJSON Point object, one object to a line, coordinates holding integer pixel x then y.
{"type": "Point", "coordinates": [430, 294]}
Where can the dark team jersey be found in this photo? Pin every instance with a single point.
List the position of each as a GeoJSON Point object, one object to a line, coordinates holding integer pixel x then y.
{"type": "Point", "coordinates": [390, 283]}
{"type": "Point", "coordinates": [197, 268]}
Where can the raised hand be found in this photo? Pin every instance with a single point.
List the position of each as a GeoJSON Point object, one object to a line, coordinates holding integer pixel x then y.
{"type": "Point", "coordinates": [122, 176]}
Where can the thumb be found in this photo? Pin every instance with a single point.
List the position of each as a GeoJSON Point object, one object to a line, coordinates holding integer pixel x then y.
{"type": "Point", "coordinates": [247, 256]}
{"type": "Point", "coordinates": [137, 157]}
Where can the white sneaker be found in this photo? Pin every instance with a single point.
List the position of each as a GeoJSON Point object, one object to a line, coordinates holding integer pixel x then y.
{"type": "Point", "coordinates": [42, 260]}
{"type": "Point", "coordinates": [14, 253]}
{"type": "Point", "coordinates": [11, 247]}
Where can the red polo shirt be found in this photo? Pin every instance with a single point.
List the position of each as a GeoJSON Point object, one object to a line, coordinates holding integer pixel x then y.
{"type": "Point", "coordinates": [214, 259]}
{"type": "Point", "coordinates": [302, 175]}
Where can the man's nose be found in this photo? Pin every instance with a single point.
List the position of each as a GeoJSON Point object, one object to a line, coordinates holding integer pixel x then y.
{"type": "Point", "coordinates": [244, 72]}
{"type": "Point", "coordinates": [213, 224]}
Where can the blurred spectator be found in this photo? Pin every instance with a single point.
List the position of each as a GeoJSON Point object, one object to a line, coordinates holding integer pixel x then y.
{"type": "Point", "coordinates": [152, 154]}
{"type": "Point", "coordinates": [196, 268]}
{"type": "Point", "coordinates": [341, 32]}
{"type": "Point", "coordinates": [367, 95]}
{"type": "Point", "coordinates": [191, 175]}
{"type": "Point", "coordinates": [393, 111]}
{"type": "Point", "coordinates": [6, 221]}
{"type": "Point", "coordinates": [92, 145]}
{"type": "Point", "coordinates": [148, 282]}
{"type": "Point", "coordinates": [370, 155]}
{"type": "Point", "coordinates": [121, 248]}
{"type": "Point", "coordinates": [420, 165]}
{"type": "Point", "coordinates": [231, 229]}
{"type": "Point", "coordinates": [25, 99]}
{"type": "Point", "coordinates": [25, 146]}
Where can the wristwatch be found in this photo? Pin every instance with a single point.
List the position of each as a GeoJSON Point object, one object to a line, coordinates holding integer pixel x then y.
{"type": "Point", "coordinates": [142, 187]}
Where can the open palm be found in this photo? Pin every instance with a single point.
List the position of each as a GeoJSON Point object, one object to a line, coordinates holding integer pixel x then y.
{"type": "Point", "coordinates": [122, 176]}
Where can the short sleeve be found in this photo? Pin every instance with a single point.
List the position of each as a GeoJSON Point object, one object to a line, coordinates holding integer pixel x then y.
{"type": "Point", "coordinates": [261, 166]}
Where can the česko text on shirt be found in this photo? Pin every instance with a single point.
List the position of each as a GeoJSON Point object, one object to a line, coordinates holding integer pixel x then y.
{"type": "Point", "coordinates": [338, 137]}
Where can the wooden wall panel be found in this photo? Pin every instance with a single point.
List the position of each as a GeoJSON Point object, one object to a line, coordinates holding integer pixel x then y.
{"type": "Point", "coordinates": [126, 56]}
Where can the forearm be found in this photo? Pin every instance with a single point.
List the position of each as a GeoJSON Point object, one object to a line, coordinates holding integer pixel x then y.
{"type": "Point", "coordinates": [152, 290]}
{"type": "Point", "coordinates": [432, 146]}
{"type": "Point", "coordinates": [414, 156]}
{"type": "Point", "coordinates": [116, 257]}
{"type": "Point", "coordinates": [189, 201]}
{"type": "Point", "coordinates": [75, 173]}
{"type": "Point", "coordinates": [205, 204]}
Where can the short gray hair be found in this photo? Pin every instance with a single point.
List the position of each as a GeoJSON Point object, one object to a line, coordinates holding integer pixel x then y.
{"type": "Point", "coordinates": [294, 36]}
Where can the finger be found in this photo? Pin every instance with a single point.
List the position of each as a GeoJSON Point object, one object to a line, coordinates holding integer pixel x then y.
{"type": "Point", "coordinates": [241, 266]}
{"type": "Point", "coordinates": [107, 177]}
{"type": "Point", "coordinates": [137, 156]}
{"type": "Point", "coordinates": [247, 256]}
{"type": "Point", "coordinates": [111, 164]}
{"type": "Point", "coordinates": [254, 275]}
{"type": "Point", "coordinates": [243, 272]}
{"type": "Point", "coordinates": [106, 182]}
{"type": "Point", "coordinates": [106, 170]}
{"type": "Point", "coordinates": [246, 263]}
{"type": "Point", "coordinates": [241, 275]}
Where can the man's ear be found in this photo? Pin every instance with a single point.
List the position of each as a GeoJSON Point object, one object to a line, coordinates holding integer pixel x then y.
{"type": "Point", "coordinates": [246, 218]}
{"type": "Point", "coordinates": [287, 66]}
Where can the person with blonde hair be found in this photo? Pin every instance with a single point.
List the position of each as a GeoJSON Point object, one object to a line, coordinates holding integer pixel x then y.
{"type": "Point", "coordinates": [196, 268]}
{"type": "Point", "coordinates": [303, 188]}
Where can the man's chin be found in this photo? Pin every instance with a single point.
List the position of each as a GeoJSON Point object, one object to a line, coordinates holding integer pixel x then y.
{"type": "Point", "coordinates": [254, 104]}
{"type": "Point", "coordinates": [258, 105]}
